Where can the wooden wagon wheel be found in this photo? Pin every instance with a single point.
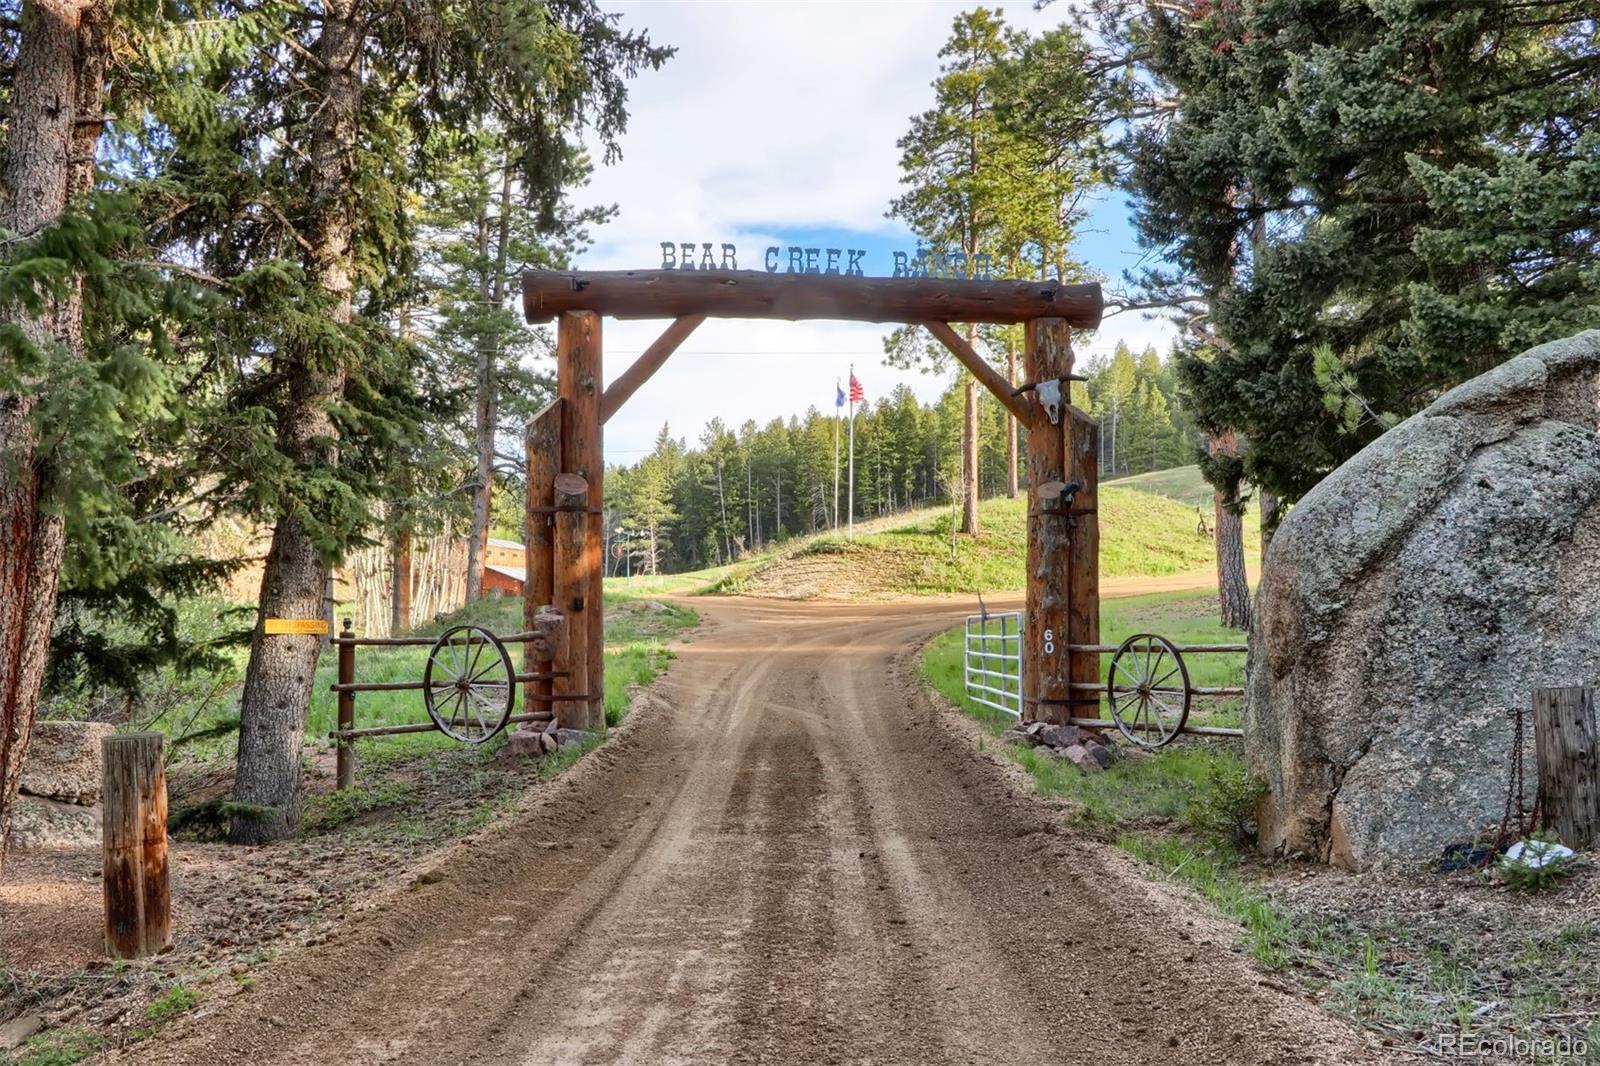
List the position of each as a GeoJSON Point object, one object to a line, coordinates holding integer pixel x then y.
{"type": "Point", "coordinates": [469, 684]}
{"type": "Point", "coordinates": [1149, 690]}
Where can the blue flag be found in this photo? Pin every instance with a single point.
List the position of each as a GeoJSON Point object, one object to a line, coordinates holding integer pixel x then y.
{"type": "Point", "coordinates": [838, 402]}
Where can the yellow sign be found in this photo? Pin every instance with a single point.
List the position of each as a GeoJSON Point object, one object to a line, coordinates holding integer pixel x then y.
{"type": "Point", "coordinates": [317, 627]}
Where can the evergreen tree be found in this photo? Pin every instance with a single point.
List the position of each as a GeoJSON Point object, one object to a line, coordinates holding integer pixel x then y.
{"type": "Point", "coordinates": [1371, 202]}
{"type": "Point", "coordinates": [478, 236]}
{"type": "Point", "coordinates": [961, 170]}
{"type": "Point", "coordinates": [53, 58]}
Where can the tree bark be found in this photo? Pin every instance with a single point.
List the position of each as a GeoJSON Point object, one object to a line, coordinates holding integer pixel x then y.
{"type": "Point", "coordinates": [400, 583]}
{"type": "Point", "coordinates": [1271, 515]}
{"type": "Point", "coordinates": [1233, 585]}
{"type": "Point", "coordinates": [1011, 422]}
{"type": "Point", "coordinates": [58, 75]}
{"type": "Point", "coordinates": [492, 289]}
{"type": "Point", "coordinates": [278, 678]}
{"type": "Point", "coordinates": [969, 450]}
{"type": "Point", "coordinates": [1567, 743]}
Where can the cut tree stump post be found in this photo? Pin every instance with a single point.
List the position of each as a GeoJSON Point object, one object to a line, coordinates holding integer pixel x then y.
{"type": "Point", "coordinates": [578, 383]}
{"type": "Point", "coordinates": [134, 820]}
{"type": "Point", "coordinates": [1567, 744]}
{"type": "Point", "coordinates": [345, 752]}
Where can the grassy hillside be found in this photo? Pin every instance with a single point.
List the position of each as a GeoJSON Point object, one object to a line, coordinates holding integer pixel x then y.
{"type": "Point", "coordinates": [1140, 535]}
{"type": "Point", "coordinates": [1181, 483]}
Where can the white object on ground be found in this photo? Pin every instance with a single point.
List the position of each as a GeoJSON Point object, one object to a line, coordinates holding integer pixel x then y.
{"type": "Point", "coordinates": [1537, 854]}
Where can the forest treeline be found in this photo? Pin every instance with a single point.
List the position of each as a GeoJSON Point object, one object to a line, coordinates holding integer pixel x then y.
{"type": "Point", "coordinates": [731, 490]}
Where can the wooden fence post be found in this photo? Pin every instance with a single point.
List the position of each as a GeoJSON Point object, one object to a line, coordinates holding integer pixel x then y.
{"type": "Point", "coordinates": [572, 600]}
{"type": "Point", "coordinates": [1082, 451]}
{"type": "Point", "coordinates": [1567, 744]}
{"type": "Point", "coordinates": [1046, 687]}
{"type": "Point", "coordinates": [538, 589]}
{"type": "Point", "coordinates": [578, 383]}
{"type": "Point", "coordinates": [344, 751]}
{"type": "Point", "coordinates": [134, 827]}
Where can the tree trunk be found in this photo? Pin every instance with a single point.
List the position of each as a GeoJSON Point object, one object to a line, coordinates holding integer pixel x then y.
{"type": "Point", "coordinates": [1271, 515]}
{"type": "Point", "coordinates": [58, 75]}
{"type": "Point", "coordinates": [493, 290]}
{"type": "Point", "coordinates": [969, 451]}
{"type": "Point", "coordinates": [278, 678]}
{"type": "Point", "coordinates": [400, 583]}
{"type": "Point", "coordinates": [1011, 421]}
{"type": "Point", "coordinates": [1233, 585]}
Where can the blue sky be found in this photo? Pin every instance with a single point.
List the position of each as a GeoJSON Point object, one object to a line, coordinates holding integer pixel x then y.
{"type": "Point", "coordinates": [775, 125]}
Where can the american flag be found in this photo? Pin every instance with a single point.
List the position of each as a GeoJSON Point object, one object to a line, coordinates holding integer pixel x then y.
{"type": "Point", "coordinates": [856, 393]}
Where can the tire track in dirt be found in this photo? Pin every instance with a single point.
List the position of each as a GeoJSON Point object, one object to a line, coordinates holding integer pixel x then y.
{"type": "Point", "coordinates": [788, 854]}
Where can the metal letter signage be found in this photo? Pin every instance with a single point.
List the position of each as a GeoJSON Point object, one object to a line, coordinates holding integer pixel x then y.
{"type": "Point", "coordinates": [798, 259]}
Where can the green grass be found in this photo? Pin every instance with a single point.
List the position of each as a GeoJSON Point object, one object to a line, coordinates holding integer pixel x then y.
{"type": "Point", "coordinates": [58, 1047]}
{"type": "Point", "coordinates": [1141, 535]}
{"type": "Point", "coordinates": [1211, 869]}
{"type": "Point", "coordinates": [1184, 484]}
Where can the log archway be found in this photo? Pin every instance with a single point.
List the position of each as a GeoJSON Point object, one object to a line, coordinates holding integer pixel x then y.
{"type": "Point", "coordinates": [566, 467]}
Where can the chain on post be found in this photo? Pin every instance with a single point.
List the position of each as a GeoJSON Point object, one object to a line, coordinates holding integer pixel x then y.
{"type": "Point", "coordinates": [1516, 795]}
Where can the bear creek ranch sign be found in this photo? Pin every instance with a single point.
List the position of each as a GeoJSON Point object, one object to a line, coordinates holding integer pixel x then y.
{"type": "Point", "coordinates": [799, 259]}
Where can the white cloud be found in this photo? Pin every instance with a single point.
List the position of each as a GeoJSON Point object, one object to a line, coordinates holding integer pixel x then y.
{"type": "Point", "coordinates": [771, 115]}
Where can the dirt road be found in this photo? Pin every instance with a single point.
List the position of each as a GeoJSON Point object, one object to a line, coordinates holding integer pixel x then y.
{"type": "Point", "coordinates": [786, 856]}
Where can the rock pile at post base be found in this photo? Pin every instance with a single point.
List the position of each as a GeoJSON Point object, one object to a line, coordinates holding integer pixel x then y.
{"type": "Point", "coordinates": [1417, 596]}
{"type": "Point", "coordinates": [1089, 750]}
{"type": "Point", "coordinates": [533, 738]}
{"type": "Point", "coordinates": [60, 786]}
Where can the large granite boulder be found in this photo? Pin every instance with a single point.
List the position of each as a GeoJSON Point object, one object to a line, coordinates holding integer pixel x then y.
{"type": "Point", "coordinates": [46, 824]}
{"type": "Point", "coordinates": [63, 761]}
{"type": "Point", "coordinates": [1413, 599]}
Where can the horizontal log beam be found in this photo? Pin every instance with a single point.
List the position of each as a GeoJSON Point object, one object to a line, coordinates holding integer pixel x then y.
{"type": "Point", "coordinates": [424, 727]}
{"type": "Point", "coordinates": [1183, 649]}
{"type": "Point", "coordinates": [991, 378]}
{"type": "Point", "coordinates": [756, 294]}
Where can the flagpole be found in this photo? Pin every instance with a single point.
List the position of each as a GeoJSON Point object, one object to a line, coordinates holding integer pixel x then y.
{"type": "Point", "coordinates": [836, 460]}
{"type": "Point", "coordinates": [851, 519]}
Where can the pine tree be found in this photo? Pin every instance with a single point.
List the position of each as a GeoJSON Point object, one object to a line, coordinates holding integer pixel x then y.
{"type": "Point", "coordinates": [1407, 187]}
{"type": "Point", "coordinates": [955, 163]}
{"type": "Point", "coordinates": [477, 239]}
{"type": "Point", "coordinates": [55, 59]}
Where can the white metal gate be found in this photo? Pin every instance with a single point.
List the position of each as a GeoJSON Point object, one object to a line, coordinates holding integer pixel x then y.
{"type": "Point", "coordinates": [992, 661]}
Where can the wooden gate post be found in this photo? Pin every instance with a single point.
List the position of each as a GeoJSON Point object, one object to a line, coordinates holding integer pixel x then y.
{"type": "Point", "coordinates": [1045, 676]}
{"type": "Point", "coordinates": [1082, 450]}
{"type": "Point", "coordinates": [1567, 742]}
{"type": "Point", "coordinates": [578, 383]}
{"type": "Point", "coordinates": [134, 833]}
{"type": "Point", "coordinates": [344, 751]}
{"type": "Point", "coordinates": [572, 600]}
{"type": "Point", "coordinates": [543, 442]}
